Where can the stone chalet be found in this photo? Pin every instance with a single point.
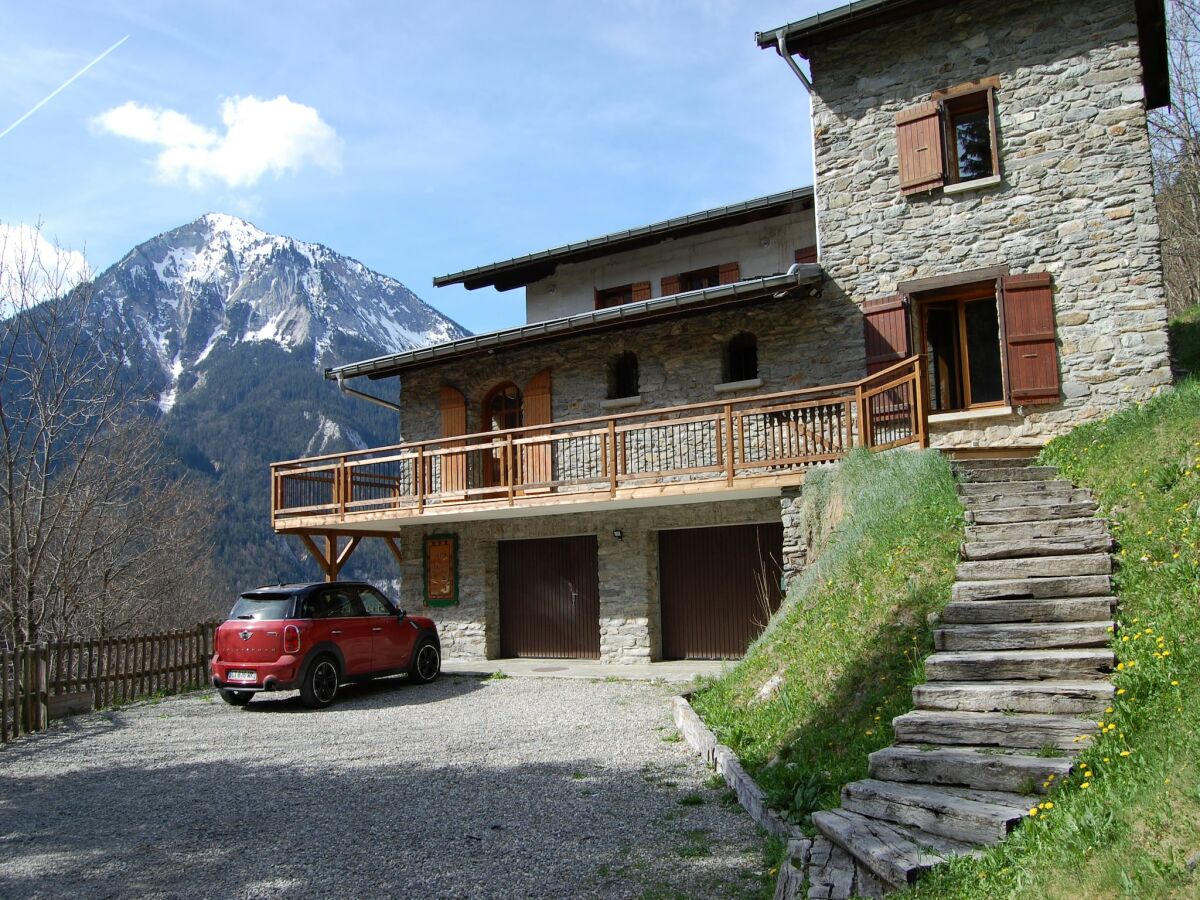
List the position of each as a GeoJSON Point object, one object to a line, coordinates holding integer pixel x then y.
{"type": "Point", "coordinates": [977, 269]}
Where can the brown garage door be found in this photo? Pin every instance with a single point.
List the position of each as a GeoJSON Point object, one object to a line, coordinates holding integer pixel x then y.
{"type": "Point", "coordinates": [550, 598]}
{"type": "Point", "coordinates": [719, 587]}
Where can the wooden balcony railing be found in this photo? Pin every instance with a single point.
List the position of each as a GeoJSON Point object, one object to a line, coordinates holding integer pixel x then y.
{"type": "Point", "coordinates": [722, 443]}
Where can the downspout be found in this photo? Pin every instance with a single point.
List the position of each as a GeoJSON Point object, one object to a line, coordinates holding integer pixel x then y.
{"type": "Point", "coordinates": [388, 404]}
{"type": "Point", "coordinates": [781, 48]}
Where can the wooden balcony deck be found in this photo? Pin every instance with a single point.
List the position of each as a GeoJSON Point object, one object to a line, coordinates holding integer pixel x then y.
{"type": "Point", "coordinates": [702, 451]}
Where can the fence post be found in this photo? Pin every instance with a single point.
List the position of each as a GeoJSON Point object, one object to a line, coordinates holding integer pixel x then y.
{"type": "Point", "coordinates": [41, 672]}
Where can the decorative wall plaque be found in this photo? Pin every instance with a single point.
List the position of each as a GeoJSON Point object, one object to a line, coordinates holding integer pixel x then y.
{"type": "Point", "coordinates": [441, 569]}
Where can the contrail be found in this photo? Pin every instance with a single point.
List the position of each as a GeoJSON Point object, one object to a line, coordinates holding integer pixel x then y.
{"type": "Point", "coordinates": [58, 90]}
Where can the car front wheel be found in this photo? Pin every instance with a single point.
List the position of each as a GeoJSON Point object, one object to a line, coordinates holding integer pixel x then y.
{"type": "Point", "coordinates": [237, 698]}
{"type": "Point", "coordinates": [426, 663]}
{"type": "Point", "coordinates": [320, 683]}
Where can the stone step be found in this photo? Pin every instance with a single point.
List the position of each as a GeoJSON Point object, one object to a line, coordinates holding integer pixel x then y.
{"type": "Point", "coordinates": [1060, 609]}
{"type": "Point", "coordinates": [1008, 512]}
{"type": "Point", "coordinates": [1023, 548]}
{"type": "Point", "coordinates": [1008, 474]}
{"type": "Point", "coordinates": [1020, 665]}
{"type": "Point", "coordinates": [1024, 636]}
{"type": "Point", "coordinates": [1035, 567]}
{"type": "Point", "coordinates": [1028, 731]}
{"type": "Point", "coordinates": [897, 855]}
{"type": "Point", "coordinates": [1046, 697]}
{"type": "Point", "coordinates": [1023, 531]}
{"type": "Point", "coordinates": [1033, 588]}
{"type": "Point", "coordinates": [998, 462]}
{"type": "Point", "coordinates": [988, 491]}
{"type": "Point", "coordinates": [833, 874]}
{"type": "Point", "coordinates": [973, 817]}
{"type": "Point", "coordinates": [982, 768]}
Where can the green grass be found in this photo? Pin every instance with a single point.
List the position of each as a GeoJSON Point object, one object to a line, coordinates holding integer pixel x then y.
{"type": "Point", "coordinates": [1185, 340]}
{"type": "Point", "coordinates": [852, 636]}
{"type": "Point", "coordinates": [1130, 831]}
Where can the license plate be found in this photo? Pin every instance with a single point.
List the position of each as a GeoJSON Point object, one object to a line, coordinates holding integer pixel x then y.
{"type": "Point", "coordinates": [242, 675]}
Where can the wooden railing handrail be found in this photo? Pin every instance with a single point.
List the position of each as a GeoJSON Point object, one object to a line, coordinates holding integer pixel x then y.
{"type": "Point", "coordinates": [571, 424]}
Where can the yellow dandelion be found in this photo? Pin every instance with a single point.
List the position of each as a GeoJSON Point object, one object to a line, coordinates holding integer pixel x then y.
{"type": "Point", "coordinates": [1174, 684]}
{"type": "Point", "coordinates": [1085, 785]}
{"type": "Point", "coordinates": [1124, 752]}
{"type": "Point", "coordinates": [1120, 691]}
{"type": "Point", "coordinates": [1033, 810]}
{"type": "Point", "coordinates": [1049, 804]}
{"type": "Point", "coordinates": [1108, 709]}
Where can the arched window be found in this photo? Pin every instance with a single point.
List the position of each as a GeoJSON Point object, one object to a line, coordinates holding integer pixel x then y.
{"type": "Point", "coordinates": [502, 408]}
{"type": "Point", "coordinates": [623, 376]}
{"type": "Point", "coordinates": [741, 357]}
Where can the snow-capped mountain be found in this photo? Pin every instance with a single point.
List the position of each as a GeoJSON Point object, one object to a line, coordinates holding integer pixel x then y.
{"type": "Point", "coordinates": [220, 281]}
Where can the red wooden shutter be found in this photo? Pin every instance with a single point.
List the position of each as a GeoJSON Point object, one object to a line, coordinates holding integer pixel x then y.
{"type": "Point", "coordinates": [885, 332]}
{"type": "Point", "coordinates": [919, 148]}
{"type": "Point", "coordinates": [807, 254]}
{"type": "Point", "coordinates": [454, 423]}
{"type": "Point", "coordinates": [535, 460]}
{"type": "Point", "coordinates": [670, 285]}
{"type": "Point", "coordinates": [728, 273]}
{"type": "Point", "coordinates": [641, 291]}
{"type": "Point", "coordinates": [1029, 339]}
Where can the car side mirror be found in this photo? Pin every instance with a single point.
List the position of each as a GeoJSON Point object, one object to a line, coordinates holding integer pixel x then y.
{"type": "Point", "coordinates": [400, 614]}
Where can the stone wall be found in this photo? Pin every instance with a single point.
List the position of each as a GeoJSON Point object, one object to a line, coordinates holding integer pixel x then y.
{"type": "Point", "coordinates": [628, 572]}
{"type": "Point", "coordinates": [802, 342]}
{"type": "Point", "coordinates": [1075, 197]}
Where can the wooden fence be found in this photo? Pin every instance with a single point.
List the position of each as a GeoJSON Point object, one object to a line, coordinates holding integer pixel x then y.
{"type": "Point", "coordinates": [40, 682]}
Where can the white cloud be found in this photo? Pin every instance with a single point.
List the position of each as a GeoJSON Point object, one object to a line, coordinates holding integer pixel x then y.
{"type": "Point", "coordinates": [33, 269]}
{"type": "Point", "coordinates": [260, 137]}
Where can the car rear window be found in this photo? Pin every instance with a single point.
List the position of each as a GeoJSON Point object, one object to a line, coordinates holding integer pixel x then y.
{"type": "Point", "coordinates": [273, 605]}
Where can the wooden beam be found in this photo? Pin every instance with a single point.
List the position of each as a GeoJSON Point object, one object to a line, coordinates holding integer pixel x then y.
{"type": "Point", "coordinates": [394, 547]}
{"type": "Point", "coordinates": [316, 554]}
{"type": "Point", "coordinates": [344, 555]}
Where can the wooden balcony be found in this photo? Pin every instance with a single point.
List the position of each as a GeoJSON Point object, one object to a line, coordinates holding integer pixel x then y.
{"type": "Point", "coordinates": [699, 451]}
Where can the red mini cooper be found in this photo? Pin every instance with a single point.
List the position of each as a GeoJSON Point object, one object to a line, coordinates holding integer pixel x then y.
{"type": "Point", "coordinates": [315, 637]}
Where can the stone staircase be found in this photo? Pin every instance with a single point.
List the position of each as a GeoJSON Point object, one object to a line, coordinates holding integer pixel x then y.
{"type": "Point", "coordinates": [1019, 671]}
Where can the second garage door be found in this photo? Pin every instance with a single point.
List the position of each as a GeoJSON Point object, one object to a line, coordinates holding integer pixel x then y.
{"type": "Point", "coordinates": [719, 587]}
{"type": "Point", "coordinates": [550, 598]}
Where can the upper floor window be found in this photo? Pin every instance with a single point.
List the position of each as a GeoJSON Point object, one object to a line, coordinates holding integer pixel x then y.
{"type": "Point", "coordinates": [699, 279]}
{"type": "Point", "coordinates": [622, 294]}
{"type": "Point", "coordinates": [741, 358]}
{"type": "Point", "coordinates": [623, 376]}
{"type": "Point", "coordinates": [949, 140]}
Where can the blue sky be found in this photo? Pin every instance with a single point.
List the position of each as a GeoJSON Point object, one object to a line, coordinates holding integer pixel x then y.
{"type": "Point", "coordinates": [419, 138]}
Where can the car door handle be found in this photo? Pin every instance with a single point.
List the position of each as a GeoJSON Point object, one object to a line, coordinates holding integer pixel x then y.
{"type": "Point", "coordinates": [336, 631]}
{"type": "Point", "coordinates": [377, 629]}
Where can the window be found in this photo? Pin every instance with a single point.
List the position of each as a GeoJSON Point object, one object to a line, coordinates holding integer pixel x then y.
{"type": "Point", "coordinates": [960, 334]}
{"type": "Point", "coordinates": [625, 293]}
{"type": "Point", "coordinates": [375, 603]}
{"type": "Point", "coordinates": [699, 279]}
{"type": "Point", "coordinates": [623, 376]}
{"type": "Point", "coordinates": [741, 358]}
{"type": "Point", "coordinates": [951, 139]}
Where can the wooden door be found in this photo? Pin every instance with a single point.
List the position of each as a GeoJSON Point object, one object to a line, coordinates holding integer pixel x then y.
{"type": "Point", "coordinates": [550, 598]}
{"type": "Point", "coordinates": [719, 587]}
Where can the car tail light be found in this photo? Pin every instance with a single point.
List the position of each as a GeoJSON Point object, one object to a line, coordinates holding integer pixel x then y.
{"type": "Point", "coordinates": [291, 639]}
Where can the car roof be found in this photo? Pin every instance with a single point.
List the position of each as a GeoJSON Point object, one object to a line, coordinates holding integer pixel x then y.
{"type": "Point", "coordinates": [303, 587]}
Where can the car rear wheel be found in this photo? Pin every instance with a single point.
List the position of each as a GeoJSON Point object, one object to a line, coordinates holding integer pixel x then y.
{"type": "Point", "coordinates": [237, 698]}
{"type": "Point", "coordinates": [426, 663]}
{"type": "Point", "coordinates": [320, 683]}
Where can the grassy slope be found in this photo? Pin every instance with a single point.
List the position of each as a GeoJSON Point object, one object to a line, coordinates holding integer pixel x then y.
{"type": "Point", "coordinates": [1130, 829]}
{"type": "Point", "coordinates": [852, 636]}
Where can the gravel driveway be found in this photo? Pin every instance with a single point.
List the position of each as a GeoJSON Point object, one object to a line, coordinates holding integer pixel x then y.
{"type": "Point", "coordinates": [463, 788]}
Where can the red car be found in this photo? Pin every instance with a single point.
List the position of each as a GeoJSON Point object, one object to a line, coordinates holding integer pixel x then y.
{"type": "Point", "coordinates": [315, 637]}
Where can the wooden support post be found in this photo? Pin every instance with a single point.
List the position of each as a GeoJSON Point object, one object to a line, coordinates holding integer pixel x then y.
{"type": "Point", "coordinates": [729, 467]}
{"type": "Point", "coordinates": [612, 462]}
{"type": "Point", "coordinates": [344, 555]}
{"type": "Point", "coordinates": [863, 438]}
{"type": "Point", "coordinates": [391, 544]}
{"type": "Point", "coordinates": [322, 561]}
{"type": "Point", "coordinates": [509, 469]}
{"type": "Point", "coordinates": [919, 390]}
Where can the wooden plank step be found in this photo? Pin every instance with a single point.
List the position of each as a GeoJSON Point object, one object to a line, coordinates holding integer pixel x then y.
{"type": "Point", "coordinates": [830, 871]}
{"type": "Point", "coordinates": [1020, 665]}
{"type": "Point", "coordinates": [1025, 547]}
{"type": "Point", "coordinates": [1007, 513]}
{"type": "Point", "coordinates": [1008, 474]}
{"type": "Point", "coordinates": [895, 854]}
{"type": "Point", "coordinates": [1035, 567]}
{"type": "Point", "coordinates": [1051, 528]}
{"type": "Point", "coordinates": [998, 462]}
{"type": "Point", "coordinates": [976, 767]}
{"type": "Point", "coordinates": [1080, 697]}
{"type": "Point", "coordinates": [988, 491]}
{"type": "Point", "coordinates": [1024, 636]}
{"type": "Point", "coordinates": [935, 810]}
{"type": "Point", "coordinates": [1058, 609]}
{"type": "Point", "coordinates": [1029, 731]}
{"type": "Point", "coordinates": [1033, 588]}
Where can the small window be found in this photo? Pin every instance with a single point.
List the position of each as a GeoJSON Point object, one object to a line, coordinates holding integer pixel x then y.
{"type": "Point", "coordinates": [699, 279]}
{"type": "Point", "coordinates": [969, 137]}
{"type": "Point", "coordinates": [375, 603]}
{"type": "Point", "coordinates": [741, 358]}
{"type": "Point", "coordinates": [625, 293]}
{"type": "Point", "coordinates": [949, 139]}
{"type": "Point", "coordinates": [623, 376]}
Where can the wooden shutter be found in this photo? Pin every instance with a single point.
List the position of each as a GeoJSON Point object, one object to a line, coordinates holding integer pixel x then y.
{"type": "Point", "coordinates": [1029, 339]}
{"type": "Point", "coordinates": [536, 459]}
{"type": "Point", "coordinates": [454, 423]}
{"type": "Point", "coordinates": [885, 332]}
{"type": "Point", "coordinates": [641, 291]}
{"type": "Point", "coordinates": [670, 285]}
{"type": "Point", "coordinates": [919, 148]}
{"type": "Point", "coordinates": [728, 273]}
{"type": "Point", "coordinates": [807, 254]}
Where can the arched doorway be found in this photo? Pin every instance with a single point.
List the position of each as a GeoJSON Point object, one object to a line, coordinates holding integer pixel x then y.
{"type": "Point", "coordinates": [501, 410]}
